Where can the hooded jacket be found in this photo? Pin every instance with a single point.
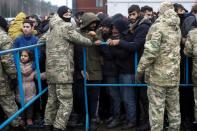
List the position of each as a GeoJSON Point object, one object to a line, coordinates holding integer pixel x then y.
{"type": "Point", "coordinates": [161, 57]}
{"type": "Point", "coordinates": [59, 50]}
{"type": "Point", "coordinates": [93, 57]}
{"type": "Point", "coordinates": [15, 29]}
{"type": "Point", "coordinates": [138, 34]}
{"type": "Point", "coordinates": [87, 19]}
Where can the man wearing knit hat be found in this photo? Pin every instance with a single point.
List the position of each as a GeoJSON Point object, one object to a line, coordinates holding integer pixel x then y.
{"type": "Point", "coordinates": [65, 13]}
{"type": "Point", "coordinates": [60, 68]}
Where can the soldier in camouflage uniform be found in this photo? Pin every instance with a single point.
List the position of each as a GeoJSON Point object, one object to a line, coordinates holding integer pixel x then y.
{"type": "Point", "coordinates": [60, 68]}
{"type": "Point", "coordinates": [161, 64]}
{"type": "Point", "coordinates": [191, 51]}
{"type": "Point", "coordinates": [7, 70]}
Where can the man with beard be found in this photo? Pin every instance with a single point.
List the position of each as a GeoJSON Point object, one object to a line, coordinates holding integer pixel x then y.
{"type": "Point", "coordinates": [139, 27]}
{"type": "Point", "coordinates": [147, 12]}
{"type": "Point", "coordinates": [109, 69]}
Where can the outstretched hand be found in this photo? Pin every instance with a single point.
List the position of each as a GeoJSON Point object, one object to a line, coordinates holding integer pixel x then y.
{"type": "Point", "coordinates": [113, 42]}
{"type": "Point", "coordinates": [91, 34]}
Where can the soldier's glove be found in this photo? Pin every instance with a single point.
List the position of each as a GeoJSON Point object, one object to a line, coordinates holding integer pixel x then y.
{"type": "Point", "coordinates": [139, 77]}
{"type": "Point", "coordinates": [13, 83]}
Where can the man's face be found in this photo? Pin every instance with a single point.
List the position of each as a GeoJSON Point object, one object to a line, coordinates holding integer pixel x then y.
{"type": "Point", "coordinates": [148, 14]}
{"type": "Point", "coordinates": [115, 31]}
{"type": "Point", "coordinates": [105, 29]}
{"type": "Point", "coordinates": [68, 14]}
{"type": "Point", "coordinates": [133, 16]}
{"type": "Point", "coordinates": [180, 11]}
{"type": "Point", "coordinates": [92, 26]}
{"type": "Point", "coordinates": [78, 21]}
{"type": "Point", "coordinates": [27, 29]}
{"type": "Point", "coordinates": [35, 23]}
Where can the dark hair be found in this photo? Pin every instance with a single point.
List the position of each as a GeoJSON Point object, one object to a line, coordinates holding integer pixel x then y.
{"type": "Point", "coordinates": [102, 16]}
{"type": "Point", "coordinates": [3, 23]}
{"type": "Point", "coordinates": [146, 8]}
{"type": "Point", "coordinates": [117, 16]}
{"type": "Point", "coordinates": [133, 8]}
{"type": "Point", "coordinates": [194, 9]}
{"type": "Point", "coordinates": [28, 21]}
{"type": "Point", "coordinates": [178, 6]}
{"type": "Point", "coordinates": [79, 14]}
{"type": "Point", "coordinates": [52, 13]}
{"type": "Point", "coordinates": [35, 17]}
{"type": "Point", "coordinates": [107, 22]}
{"type": "Point", "coordinates": [30, 54]}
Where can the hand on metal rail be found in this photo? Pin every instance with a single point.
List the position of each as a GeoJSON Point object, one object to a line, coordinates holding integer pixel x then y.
{"type": "Point", "coordinates": [83, 74]}
{"type": "Point", "coordinates": [139, 77]}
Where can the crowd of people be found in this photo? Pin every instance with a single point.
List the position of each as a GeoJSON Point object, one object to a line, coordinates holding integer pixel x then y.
{"type": "Point", "coordinates": [161, 40]}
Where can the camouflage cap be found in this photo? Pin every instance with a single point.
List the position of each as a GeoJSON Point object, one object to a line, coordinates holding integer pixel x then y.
{"type": "Point", "coordinates": [165, 6]}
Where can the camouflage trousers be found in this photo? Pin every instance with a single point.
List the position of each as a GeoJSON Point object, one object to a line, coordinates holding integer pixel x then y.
{"type": "Point", "coordinates": [59, 105]}
{"type": "Point", "coordinates": [195, 100]}
{"type": "Point", "coordinates": [9, 106]}
{"type": "Point", "coordinates": [161, 98]}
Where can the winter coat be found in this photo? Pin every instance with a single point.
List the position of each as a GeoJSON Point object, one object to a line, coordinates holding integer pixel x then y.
{"type": "Point", "coordinates": [93, 57]}
{"type": "Point", "coordinates": [161, 57]}
{"type": "Point", "coordinates": [29, 86]}
{"type": "Point", "coordinates": [187, 25]}
{"type": "Point", "coordinates": [15, 29]}
{"type": "Point", "coordinates": [122, 55]}
{"type": "Point", "coordinates": [23, 41]}
{"type": "Point", "coordinates": [59, 50]}
{"type": "Point", "coordinates": [7, 66]}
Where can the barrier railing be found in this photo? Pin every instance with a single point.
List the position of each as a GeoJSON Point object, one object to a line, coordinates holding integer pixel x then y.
{"type": "Point", "coordinates": [112, 85]}
{"type": "Point", "coordinates": [40, 90]}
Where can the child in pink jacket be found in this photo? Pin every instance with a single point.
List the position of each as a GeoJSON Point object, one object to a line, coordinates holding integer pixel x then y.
{"type": "Point", "coordinates": [29, 87]}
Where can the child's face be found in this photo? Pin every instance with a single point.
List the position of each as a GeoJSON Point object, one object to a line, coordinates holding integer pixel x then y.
{"type": "Point", "coordinates": [24, 57]}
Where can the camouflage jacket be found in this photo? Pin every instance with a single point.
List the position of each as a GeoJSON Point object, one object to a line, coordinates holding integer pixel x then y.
{"type": "Point", "coordinates": [59, 50]}
{"type": "Point", "coordinates": [191, 51]}
{"type": "Point", "coordinates": [161, 57]}
{"type": "Point", "coordinates": [7, 66]}
{"type": "Point", "coordinates": [191, 44]}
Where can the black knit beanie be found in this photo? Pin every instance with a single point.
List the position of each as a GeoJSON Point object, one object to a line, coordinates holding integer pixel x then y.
{"type": "Point", "coordinates": [3, 23]}
{"type": "Point", "coordinates": [62, 10]}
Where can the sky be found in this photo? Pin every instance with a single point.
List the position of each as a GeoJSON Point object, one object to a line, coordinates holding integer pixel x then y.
{"type": "Point", "coordinates": [61, 2]}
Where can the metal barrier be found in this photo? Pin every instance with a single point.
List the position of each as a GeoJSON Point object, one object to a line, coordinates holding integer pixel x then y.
{"type": "Point", "coordinates": [40, 90]}
{"type": "Point", "coordinates": [132, 85]}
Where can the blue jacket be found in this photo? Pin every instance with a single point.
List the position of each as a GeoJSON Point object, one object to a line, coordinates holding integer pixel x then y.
{"type": "Point", "coordinates": [23, 41]}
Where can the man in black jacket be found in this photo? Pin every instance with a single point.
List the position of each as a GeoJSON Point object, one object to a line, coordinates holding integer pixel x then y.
{"type": "Point", "coordinates": [139, 27]}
